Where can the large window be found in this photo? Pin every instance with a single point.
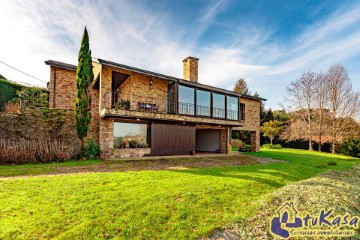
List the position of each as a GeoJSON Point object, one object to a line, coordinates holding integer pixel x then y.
{"type": "Point", "coordinates": [186, 100]}
{"type": "Point", "coordinates": [232, 108]}
{"type": "Point", "coordinates": [203, 102]}
{"type": "Point", "coordinates": [218, 105]}
{"type": "Point", "coordinates": [130, 135]}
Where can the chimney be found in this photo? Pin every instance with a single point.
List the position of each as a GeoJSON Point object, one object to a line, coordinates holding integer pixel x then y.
{"type": "Point", "coordinates": [191, 69]}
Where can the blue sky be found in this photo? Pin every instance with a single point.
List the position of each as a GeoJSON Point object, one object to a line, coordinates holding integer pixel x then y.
{"type": "Point", "coordinates": [269, 43]}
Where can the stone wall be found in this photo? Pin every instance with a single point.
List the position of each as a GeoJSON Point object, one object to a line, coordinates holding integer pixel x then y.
{"type": "Point", "coordinates": [130, 152]}
{"type": "Point", "coordinates": [31, 124]}
{"type": "Point", "coordinates": [137, 87]}
{"type": "Point", "coordinates": [252, 121]}
{"type": "Point", "coordinates": [62, 88]}
{"type": "Point", "coordinates": [106, 137]}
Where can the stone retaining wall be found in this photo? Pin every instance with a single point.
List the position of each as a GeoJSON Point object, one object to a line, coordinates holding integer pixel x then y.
{"type": "Point", "coordinates": [130, 152]}
{"type": "Point", "coordinates": [39, 124]}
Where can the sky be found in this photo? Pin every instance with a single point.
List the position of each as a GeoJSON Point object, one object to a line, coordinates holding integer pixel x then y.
{"type": "Point", "coordinates": [268, 43]}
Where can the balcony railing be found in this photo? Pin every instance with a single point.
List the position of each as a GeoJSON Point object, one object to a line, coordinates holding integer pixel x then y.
{"type": "Point", "coordinates": [149, 104]}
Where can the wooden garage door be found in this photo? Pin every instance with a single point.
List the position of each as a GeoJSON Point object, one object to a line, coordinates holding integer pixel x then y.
{"type": "Point", "coordinates": [171, 139]}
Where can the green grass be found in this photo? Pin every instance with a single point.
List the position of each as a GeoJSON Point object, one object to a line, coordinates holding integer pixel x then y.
{"type": "Point", "coordinates": [176, 204]}
{"type": "Point", "coordinates": [36, 169]}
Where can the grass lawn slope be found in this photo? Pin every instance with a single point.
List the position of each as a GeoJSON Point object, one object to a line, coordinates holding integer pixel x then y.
{"type": "Point", "coordinates": [169, 204]}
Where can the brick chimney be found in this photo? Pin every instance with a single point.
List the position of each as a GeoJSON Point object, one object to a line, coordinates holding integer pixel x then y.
{"type": "Point", "coordinates": [191, 69]}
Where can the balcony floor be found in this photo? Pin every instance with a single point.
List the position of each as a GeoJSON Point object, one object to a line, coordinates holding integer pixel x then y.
{"type": "Point", "coordinates": [121, 113]}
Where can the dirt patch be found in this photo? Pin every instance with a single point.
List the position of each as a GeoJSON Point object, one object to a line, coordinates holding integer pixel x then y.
{"type": "Point", "coordinates": [167, 164]}
{"type": "Point", "coordinates": [162, 164]}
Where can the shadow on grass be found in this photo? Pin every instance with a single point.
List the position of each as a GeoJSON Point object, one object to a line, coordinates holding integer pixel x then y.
{"type": "Point", "coordinates": [300, 165]}
{"type": "Point", "coordinates": [275, 175]}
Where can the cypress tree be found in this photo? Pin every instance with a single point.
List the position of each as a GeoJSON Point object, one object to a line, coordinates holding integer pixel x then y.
{"type": "Point", "coordinates": [84, 77]}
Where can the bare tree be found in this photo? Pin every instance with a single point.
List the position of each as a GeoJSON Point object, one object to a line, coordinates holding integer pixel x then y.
{"type": "Point", "coordinates": [321, 100]}
{"type": "Point", "coordinates": [344, 102]}
{"type": "Point", "coordinates": [301, 98]}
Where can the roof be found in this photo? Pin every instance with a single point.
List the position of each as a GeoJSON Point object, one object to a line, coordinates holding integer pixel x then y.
{"type": "Point", "coordinates": [60, 65]}
{"type": "Point", "coordinates": [170, 78]}
{"type": "Point", "coordinates": [154, 74]}
{"type": "Point", "coordinates": [134, 69]}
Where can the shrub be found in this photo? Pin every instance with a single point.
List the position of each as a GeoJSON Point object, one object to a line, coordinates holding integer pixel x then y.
{"type": "Point", "coordinates": [274, 146]}
{"type": "Point", "coordinates": [20, 151]}
{"type": "Point", "coordinates": [7, 91]}
{"type": "Point", "coordinates": [350, 147]}
{"type": "Point", "coordinates": [236, 143]}
{"type": "Point", "coordinates": [136, 144]}
{"type": "Point", "coordinates": [91, 149]}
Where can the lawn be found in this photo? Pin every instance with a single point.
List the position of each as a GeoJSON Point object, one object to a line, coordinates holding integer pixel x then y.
{"type": "Point", "coordinates": [169, 204]}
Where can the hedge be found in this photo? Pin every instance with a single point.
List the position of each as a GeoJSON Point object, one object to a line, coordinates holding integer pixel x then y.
{"type": "Point", "coordinates": [8, 91]}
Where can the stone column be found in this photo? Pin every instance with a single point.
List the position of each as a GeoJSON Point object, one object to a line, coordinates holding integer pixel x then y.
{"type": "Point", "coordinates": [255, 141]}
{"type": "Point", "coordinates": [106, 137]}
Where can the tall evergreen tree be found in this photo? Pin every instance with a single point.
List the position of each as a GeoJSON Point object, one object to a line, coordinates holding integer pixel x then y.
{"type": "Point", "coordinates": [84, 77]}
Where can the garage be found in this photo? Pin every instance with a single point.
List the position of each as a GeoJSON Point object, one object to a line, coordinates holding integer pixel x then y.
{"type": "Point", "coordinates": [172, 139]}
{"type": "Point", "coordinates": [208, 140]}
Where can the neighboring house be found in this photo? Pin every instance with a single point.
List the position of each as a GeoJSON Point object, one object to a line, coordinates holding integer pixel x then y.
{"type": "Point", "coordinates": [136, 112]}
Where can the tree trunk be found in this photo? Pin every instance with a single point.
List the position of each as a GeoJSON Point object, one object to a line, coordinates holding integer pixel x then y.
{"type": "Point", "coordinates": [82, 146]}
{"type": "Point", "coordinates": [334, 138]}
{"type": "Point", "coordinates": [310, 138]}
{"type": "Point", "coordinates": [309, 124]}
{"type": "Point", "coordinates": [271, 140]}
{"type": "Point", "coordinates": [320, 129]}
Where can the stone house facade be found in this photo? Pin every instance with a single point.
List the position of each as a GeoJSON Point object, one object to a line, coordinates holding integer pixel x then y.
{"type": "Point", "coordinates": [135, 112]}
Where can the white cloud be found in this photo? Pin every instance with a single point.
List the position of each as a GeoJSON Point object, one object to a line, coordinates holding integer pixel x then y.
{"type": "Point", "coordinates": [129, 33]}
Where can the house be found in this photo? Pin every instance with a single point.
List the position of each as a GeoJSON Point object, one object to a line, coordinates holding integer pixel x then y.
{"type": "Point", "coordinates": [287, 213]}
{"type": "Point", "coordinates": [137, 113]}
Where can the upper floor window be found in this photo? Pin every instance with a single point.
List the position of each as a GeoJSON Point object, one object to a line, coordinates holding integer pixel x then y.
{"type": "Point", "coordinates": [232, 108]}
{"type": "Point", "coordinates": [186, 100]}
{"type": "Point", "coordinates": [203, 103]}
{"type": "Point", "coordinates": [242, 111]}
{"type": "Point", "coordinates": [218, 105]}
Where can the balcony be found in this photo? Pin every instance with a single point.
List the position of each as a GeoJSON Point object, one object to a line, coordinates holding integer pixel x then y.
{"type": "Point", "coordinates": [140, 106]}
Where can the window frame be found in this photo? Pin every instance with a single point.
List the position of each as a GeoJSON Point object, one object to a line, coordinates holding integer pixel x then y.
{"type": "Point", "coordinates": [148, 132]}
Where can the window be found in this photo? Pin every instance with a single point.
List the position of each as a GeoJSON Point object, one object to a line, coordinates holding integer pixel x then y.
{"type": "Point", "coordinates": [186, 100]}
{"type": "Point", "coordinates": [242, 111]}
{"type": "Point", "coordinates": [232, 108]}
{"type": "Point", "coordinates": [130, 135]}
{"type": "Point", "coordinates": [203, 103]}
{"type": "Point", "coordinates": [171, 99]}
{"type": "Point", "coordinates": [218, 105]}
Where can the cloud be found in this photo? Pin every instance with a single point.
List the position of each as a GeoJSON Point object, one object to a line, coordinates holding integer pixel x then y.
{"type": "Point", "coordinates": [153, 38]}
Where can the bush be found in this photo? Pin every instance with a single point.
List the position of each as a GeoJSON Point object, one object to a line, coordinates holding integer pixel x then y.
{"type": "Point", "coordinates": [8, 91]}
{"type": "Point", "coordinates": [91, 149]}
{"type": "Point", "coordinates": [20, 151]}
{"type": "Point", "coordinates": [350, 147]}
{"type": "Point", "coordinates": [274, 146]}
{"type": "Point", "coordinates": [136, 144]}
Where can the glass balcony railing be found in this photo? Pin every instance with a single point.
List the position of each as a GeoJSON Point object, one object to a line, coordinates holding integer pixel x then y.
{"type": "Point", "coordinates": [149, 104]}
